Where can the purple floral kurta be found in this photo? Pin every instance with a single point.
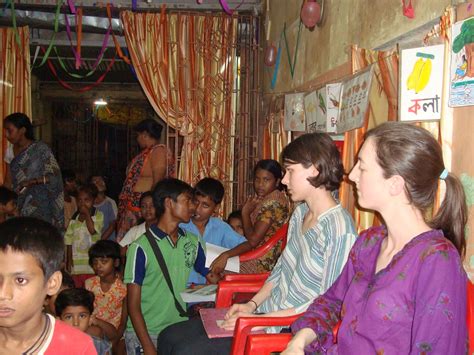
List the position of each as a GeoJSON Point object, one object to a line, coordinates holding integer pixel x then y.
{"type": "Point", "coordinates": [416, 305]}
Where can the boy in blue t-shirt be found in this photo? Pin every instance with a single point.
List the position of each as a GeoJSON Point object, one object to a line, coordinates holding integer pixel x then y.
{"type": "Point", "coordinates": [208, 194]}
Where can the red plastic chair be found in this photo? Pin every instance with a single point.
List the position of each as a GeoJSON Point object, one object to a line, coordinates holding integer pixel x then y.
{"type": "Point", "coordinates": [267, 343]}
{"type": "Point", "coordinates": [262, 250]}
{"type": "Point", "coordinates": [238, 283]}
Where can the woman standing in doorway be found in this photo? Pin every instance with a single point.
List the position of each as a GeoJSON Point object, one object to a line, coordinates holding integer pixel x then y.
{"type": "Point", "coordinates": [152, 164]}
{"type": "Point", "coordinates": [33, 172]}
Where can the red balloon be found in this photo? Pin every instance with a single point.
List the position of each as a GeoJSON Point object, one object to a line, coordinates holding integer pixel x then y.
{"type": "Point", "coordinates": [270, 55]}
{"type": "Point", "coordinates": [311, 13]}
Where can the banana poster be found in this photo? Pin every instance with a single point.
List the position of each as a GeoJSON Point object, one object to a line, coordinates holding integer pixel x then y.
{"type": "Point", "coordinates": [421, 83]}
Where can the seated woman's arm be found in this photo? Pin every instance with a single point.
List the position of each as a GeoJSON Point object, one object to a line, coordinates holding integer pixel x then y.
{"type": "Point", "coordinates": [313, 330]}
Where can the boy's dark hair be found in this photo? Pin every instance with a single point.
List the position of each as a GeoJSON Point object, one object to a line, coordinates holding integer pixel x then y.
{"type": "Point", "coordinates": [74, 297]}
{"type": "Point", "coordinates": [67, 281]}
{"type": "Point", "coordinates": [89, 189]}
{"type": "Point", "coordinates": [144, 195]}
{"type": "Point", "coordinates": [68, 175]}
{"type": "Point", "coordinates": [316, 149]}
{"type": "Point", "coordinates": [168, 188]}
{"type": "Point", "coordinates": [7, 195]}
{"type": "Point", "coordinates": [20, 120]}
{"type": "Point", "coordinates": [104, 249]}
{"type": "Point", "coordinates": [150, 126]}
{"type": "Point", "coordinates": [234, 214]}
{"type": "Point", "coordinates": [33, 236]}
{"type": "Point", "coordinates": [211, 188]}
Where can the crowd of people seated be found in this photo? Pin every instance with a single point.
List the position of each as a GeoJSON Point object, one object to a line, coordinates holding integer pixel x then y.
{"type": "Point", "coordinates": [106, 279]}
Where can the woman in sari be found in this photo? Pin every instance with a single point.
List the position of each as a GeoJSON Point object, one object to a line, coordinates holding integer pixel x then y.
{"type": "Point", "coordinates": [33, 172]}
{"type": "Point", "coordinates": [152, 164]}
{"type": "Point", "coordinates": [264, 213]}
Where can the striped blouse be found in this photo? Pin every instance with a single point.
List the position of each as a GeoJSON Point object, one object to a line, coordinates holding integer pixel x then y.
{"type": "Point", "coordinates": [311, 262]}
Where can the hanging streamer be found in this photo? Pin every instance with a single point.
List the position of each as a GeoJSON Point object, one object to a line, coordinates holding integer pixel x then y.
{"type": "Point", "coordinates": [79, 37]}
{"type": "Point", "coordinates": [117, 45]}
{"type": "Point", "coordinates": [83, 89]}
{"type": "Point", "coordinates": [51, 42]}
{"type": "Point", "coordinates": [134, 5]}
{"type": "Point", "coordinates": [295, 55]}
{"type": "Point", "coordinates": [72, 8]}
{"type": "Point", "coordinates": [74, 75]}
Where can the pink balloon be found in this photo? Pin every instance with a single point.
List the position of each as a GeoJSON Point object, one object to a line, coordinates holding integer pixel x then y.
{"type": "Point", "coordinates": [270, 55]}
{"type": "Point", "coordinates": [311, 13]}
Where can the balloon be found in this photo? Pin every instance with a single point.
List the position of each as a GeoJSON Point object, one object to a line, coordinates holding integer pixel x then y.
{"type": "Point", "coordinates": [311, 13]}
{"type": "Point", "coordinates": [270, 55]}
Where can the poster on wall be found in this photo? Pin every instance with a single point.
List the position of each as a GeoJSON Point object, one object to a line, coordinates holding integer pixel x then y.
{"type": "Point", "coordinates": [294, 112]}
{"type": "Point", "coordinates": [333, 96]}
{"type": "Point", "coordinates": [461, 88]}
{"type": "Point", "coordinates": [315, 111]}
{"type": "Point", "coordinates": [354, 100]}
{"type": "Point", "coordinates": [421, 83]}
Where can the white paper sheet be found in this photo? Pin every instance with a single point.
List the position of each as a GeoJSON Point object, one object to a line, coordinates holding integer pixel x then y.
{"type": "Point", "coordinates": [213, 251]}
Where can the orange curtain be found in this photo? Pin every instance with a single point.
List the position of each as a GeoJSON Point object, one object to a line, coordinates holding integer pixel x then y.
{"type": "Point", "coordinates": [15, 79]}
{"type": "Point", "coordinates": [383, 106]}
{"type": "Point", "coordinates": [186, 65]}
{"type": "Point", "coordinates": [274, 135]}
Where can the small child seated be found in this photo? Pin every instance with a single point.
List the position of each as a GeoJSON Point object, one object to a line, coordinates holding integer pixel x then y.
{"type": "Point", "coordinates": [66, 283]}
{"type": "Point", "coordinates": [109, 291]}
{"type": "Point", "coordinates": [83, 231]}
{"type": "Point", "coordinates": [235, 221]}
{"type": "Point", "coordinates": [74, 306]}
{"type": "Point", "coordinates": [7, 203]}
{"type": "Point", "coordinates": [31, 252]}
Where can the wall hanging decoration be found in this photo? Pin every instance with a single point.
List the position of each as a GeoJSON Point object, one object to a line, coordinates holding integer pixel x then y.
{"type": "Point", "coordinates": [270, 55]}
{"type": "Point", "coordinates": [294, 113]}
{"type": "Point", "coordinates": [288, 43]}
{"type": "Point", "coordinates": [315, 111]}
{"type": "Point", "coordinates": [408, 10]}
{"type": "Point", "coordinates": [461, 91]}
{"type": "Point", "coordinates": [333, 96]}
{"type": "Point", "coordinates": [421, 83]}
{"type": "Point", "coordinates": [354, 100]}
{"type": "Point", "coordinates": [312, 12]}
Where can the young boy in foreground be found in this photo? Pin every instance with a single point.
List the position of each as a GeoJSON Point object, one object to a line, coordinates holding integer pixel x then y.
{"type": "Point", "coordinates": [31, 252]}
{"type": "Point", "coordinates": [150, 302]}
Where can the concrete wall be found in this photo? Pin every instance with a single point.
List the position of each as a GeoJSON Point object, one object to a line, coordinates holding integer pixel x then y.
{"type": "Point", "coordinates": [367, 23]}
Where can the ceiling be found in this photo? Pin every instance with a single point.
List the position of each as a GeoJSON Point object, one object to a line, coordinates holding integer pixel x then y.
{"type": "Point", "coordinates": [41, 18]}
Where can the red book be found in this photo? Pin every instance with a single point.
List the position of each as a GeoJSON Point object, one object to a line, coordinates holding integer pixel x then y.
{"type": "Point", "coordinates": [211, 317]}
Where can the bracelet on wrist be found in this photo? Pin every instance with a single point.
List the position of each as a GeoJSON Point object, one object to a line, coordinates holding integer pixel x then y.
{"type": "Point", "coordinates": [255, 303]}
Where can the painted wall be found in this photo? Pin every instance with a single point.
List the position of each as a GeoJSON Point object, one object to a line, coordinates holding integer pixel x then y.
{"type": "Point", "coordinates": [369, 24]}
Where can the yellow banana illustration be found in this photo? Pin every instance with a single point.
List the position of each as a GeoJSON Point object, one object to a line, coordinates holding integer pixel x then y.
{"type": "Point", "coordinates": [420, 75]}
{"type": "Point", "coordinates": [425, 75]}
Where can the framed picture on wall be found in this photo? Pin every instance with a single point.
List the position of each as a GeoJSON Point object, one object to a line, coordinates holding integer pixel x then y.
{"type": "Point", "coordinates": [421, 83]}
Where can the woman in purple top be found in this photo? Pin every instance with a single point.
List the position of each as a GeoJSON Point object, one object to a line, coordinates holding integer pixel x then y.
{"type": "Point", "coordinates": [403, 289]}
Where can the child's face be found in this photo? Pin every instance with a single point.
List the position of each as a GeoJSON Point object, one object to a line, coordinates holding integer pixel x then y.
{"type": "Point", "coordinates": [147, 209]}
{"type": "Point", "coordinates": [77, 316]}
{"type": "Point", "coordinates": [183, 208]}
{"type": "Point", "coordinates": [204, 208]}
{"type": "Point", "coordinates": [264, 182]}
{"type": "Point", "coordinates": [103, 267]}
{"type": "Point", "coordinates": [23, 289]}
{"type": "Point", "coordinates": [70, 186]}
{"type": "Point", "coordinates": [236, 224]}
{"type": "Point", "coordinates": [9, 208]}
{"type": "Point", "coordinates": [99, 182]}
{"type": "Point", "coordinates": [84, 200]}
